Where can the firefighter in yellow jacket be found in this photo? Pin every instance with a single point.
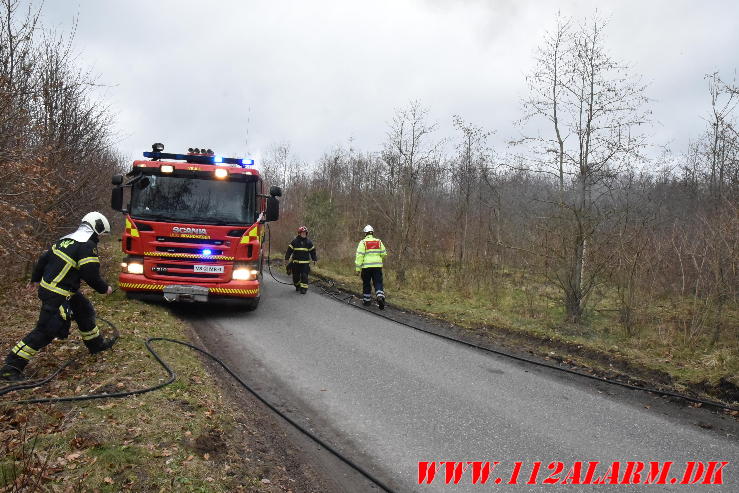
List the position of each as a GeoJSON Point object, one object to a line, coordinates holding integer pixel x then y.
{"type": "Point", "coordinates": [368, 264]}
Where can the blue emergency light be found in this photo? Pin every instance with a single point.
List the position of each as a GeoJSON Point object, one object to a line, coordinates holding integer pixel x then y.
{"type": "Point", "coordinates": [199, 158]}
{"type": "Point", "coordinates": [207, 251]}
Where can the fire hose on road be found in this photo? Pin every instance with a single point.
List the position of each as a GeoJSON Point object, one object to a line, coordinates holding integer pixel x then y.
{"type": "Point", "coordinates": [346, 297]}
{"type": "Point", "coordinates": [171, 377]}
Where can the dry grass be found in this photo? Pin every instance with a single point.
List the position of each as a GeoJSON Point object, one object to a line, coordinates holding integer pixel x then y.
{"type": "Point", "coordinates": [185, 437]}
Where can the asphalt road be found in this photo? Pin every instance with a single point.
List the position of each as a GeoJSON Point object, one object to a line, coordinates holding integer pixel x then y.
{"type": "Point", "coordinates": [389, 396]}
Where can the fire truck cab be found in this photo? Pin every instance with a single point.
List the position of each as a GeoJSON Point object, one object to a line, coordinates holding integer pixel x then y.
{"type": "Point", "coordinates": [194, 226]}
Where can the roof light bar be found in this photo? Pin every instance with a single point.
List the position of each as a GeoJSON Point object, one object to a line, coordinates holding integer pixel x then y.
{"type": "Point", "coordinates": [199, 158]}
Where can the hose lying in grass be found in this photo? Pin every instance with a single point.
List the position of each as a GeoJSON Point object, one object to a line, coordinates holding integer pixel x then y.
{"type": "Point", "coordinates": [172, 376]}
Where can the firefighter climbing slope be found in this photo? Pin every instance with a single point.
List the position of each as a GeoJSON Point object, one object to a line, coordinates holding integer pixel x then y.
{"type": "Point", "coordinates": [302, 251]}
{"type": "Point", "coordinates": [58, 273]}
{"type": "Point", "coordinates": [368, 264]}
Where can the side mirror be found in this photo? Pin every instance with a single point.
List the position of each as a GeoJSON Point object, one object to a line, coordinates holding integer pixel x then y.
{"type": "Point", "coordinates": [273, 209]}
{"type": "Point", "coordinates": [275, 191]}
{"type": "Point", "coordinates": [117, 180]}
{"type": "Point", "coordinates": [116, 199]}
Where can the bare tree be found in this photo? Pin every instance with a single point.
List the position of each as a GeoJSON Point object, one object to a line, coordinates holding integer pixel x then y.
{"type": "Point", "coordinates": [720, 149]}
{"type": "Point", "coordinates": [548, 98]}
{"type": "Point", "coordinates": [55, 140]}
{"type": "Point", "coordinates": [407, 157]}
{"type": "Point", "coordinates": [472, 159]}
{"type": "Point", "coordinates": [595, 109]}
{"type": "Point", "coordinates": [721, 141]}
{"type": "Point", "coordinates": [280, 164]}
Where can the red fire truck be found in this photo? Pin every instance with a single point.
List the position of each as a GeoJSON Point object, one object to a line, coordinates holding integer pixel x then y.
{"type": "Point", "coordinates": [194, 226]}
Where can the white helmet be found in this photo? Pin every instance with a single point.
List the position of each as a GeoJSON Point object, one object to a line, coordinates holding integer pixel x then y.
{"type": "Point", "coordinates": [369, 229]}
{"type": "Point", "coordinates": [97, 222]}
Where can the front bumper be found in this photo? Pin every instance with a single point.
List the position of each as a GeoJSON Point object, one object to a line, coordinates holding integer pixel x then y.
{"type": "Point", "coordinates": [179, 291]}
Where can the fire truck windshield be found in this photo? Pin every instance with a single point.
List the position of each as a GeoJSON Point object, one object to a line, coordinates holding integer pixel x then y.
{"type": "Point", "coordinates": [193, 200]}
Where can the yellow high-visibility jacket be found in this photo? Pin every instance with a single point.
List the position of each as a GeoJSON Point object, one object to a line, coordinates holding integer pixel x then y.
{"type": "Point", "coordinates": [370, 253]}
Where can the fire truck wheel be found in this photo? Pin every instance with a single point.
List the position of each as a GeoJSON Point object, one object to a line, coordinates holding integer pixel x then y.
{"type": "Point", "coordinates": [250, 304]}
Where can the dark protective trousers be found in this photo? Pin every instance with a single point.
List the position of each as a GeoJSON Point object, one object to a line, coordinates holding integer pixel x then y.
{"type": "Point", "coordinates": [300, 275]}
{"type": "Point", "coordinates": [370, 276]}
{"type": "Point", "coordinates": [54, 322]}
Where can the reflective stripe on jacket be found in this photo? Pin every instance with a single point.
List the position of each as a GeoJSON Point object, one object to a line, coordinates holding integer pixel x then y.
{"type": "Point", "coordinates": [370, 253]}
{"type": "Point", "coordinates": [302, 250]}
{"type": "Point", "coordinates": [61, 268]}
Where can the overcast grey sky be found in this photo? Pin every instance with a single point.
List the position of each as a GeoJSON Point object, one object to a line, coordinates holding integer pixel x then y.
{"type": "Point", "coordinates": [315, 73]}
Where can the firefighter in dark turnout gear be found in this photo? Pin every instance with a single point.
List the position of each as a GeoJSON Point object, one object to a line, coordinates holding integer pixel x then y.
{"type": "Point", "coordinates": [57, 274]}
{"type": "Point", "coordinates": [302, 251]}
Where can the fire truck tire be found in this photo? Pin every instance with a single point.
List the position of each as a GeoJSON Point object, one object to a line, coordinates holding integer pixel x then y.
{"type": "Point", "coordinates": [250, 304]}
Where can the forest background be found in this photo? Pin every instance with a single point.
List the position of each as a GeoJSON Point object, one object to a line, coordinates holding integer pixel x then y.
{"type": "Point", "coordinates": [579, 229]}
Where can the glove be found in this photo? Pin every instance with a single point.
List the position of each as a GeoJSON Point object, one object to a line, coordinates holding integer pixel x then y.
{"type": "Point", "coordinates": [289, 268]}
{"type": "Point", "coordinates": [64, 322]}
{"type": "Point", "coordinates": [359, 272]}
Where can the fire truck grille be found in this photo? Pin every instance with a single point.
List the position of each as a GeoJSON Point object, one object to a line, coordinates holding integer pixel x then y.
{"type": "Point", "coordinates": [196, 251]}
{"type": "Point", "coordinates": [170, 239]}
{"type": "Point", "coordinates": [198, 275]}
{"type": "Point", "coordinates": [172, 266]}
{"type": "Point", "coordinates": [163, 269]}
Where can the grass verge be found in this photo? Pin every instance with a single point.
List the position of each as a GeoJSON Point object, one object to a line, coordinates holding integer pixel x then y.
{"type": "Point", "coordinates": [188, 436]}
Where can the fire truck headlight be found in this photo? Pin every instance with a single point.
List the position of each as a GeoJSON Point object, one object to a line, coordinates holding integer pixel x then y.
{"type": "Point", "coordinates": [221, 173]}
{"type": "Point", "coordinates": [166, 168]}
{"type": "Point", "coordinates": [135, 268]}
{"type": "Point", "coordinates": [242, 274]}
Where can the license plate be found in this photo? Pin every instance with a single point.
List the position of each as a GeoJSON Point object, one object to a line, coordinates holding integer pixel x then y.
{"type": "Point", "coordinates": [213, 269]}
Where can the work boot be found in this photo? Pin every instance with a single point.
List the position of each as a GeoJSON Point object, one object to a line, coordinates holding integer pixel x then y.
{"type": "Point", "coordinates": [100, 344]}
{"type": "Point", "coordinates": [297, 289]}
{"type": "Point", "coordinates": [303, 290]}
{"type": "Point", "coordinates": [11, 374]}
{"type": "Point", "coordinates": [381, 302]}
{"type": "Point", "coordinates": [366, 302]}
